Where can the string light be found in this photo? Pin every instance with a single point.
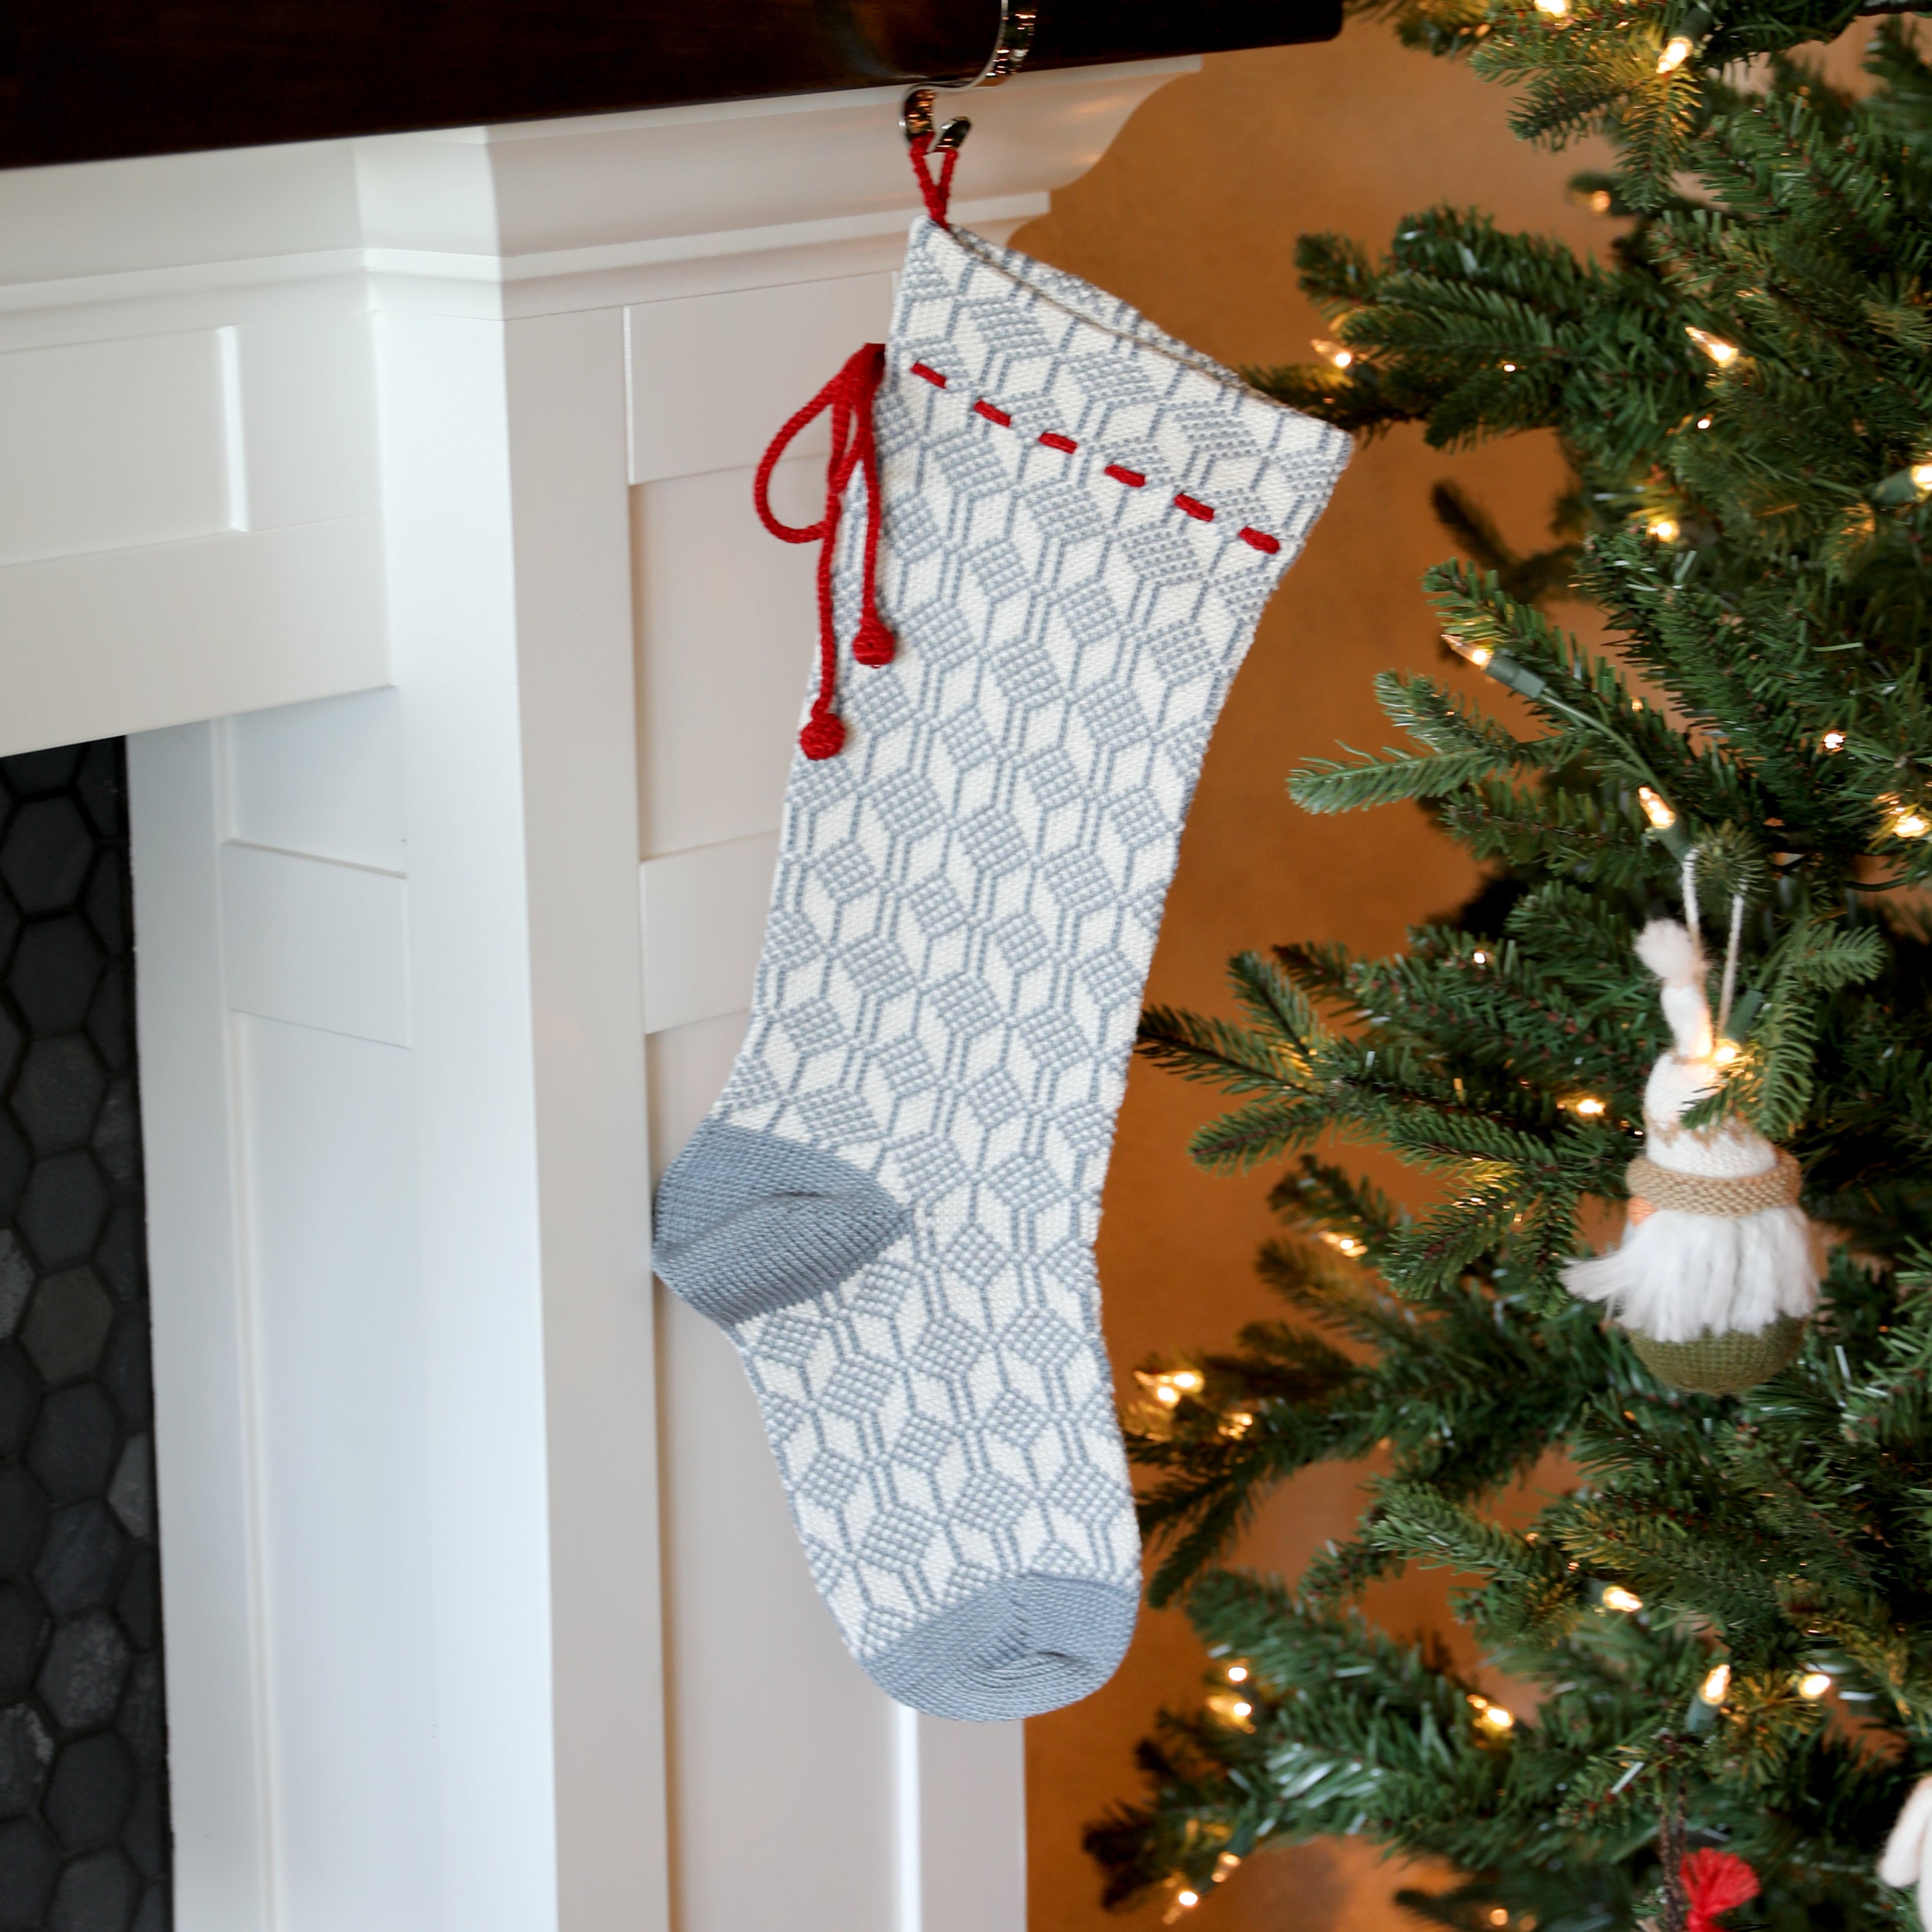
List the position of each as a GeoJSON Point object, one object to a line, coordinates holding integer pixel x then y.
{"type": "Point", "coordinates": [1590, 1107]}
{"type": "Point", "coordinates": [1498, 1915]}
{"type": "Point", "coordinates": [1478, 655]}
{"type": "Point", "coordinates": [1224, 1864]}
{"type": "Point", "coordinates": [1922, 476]}
{"type": "Point", "coordinates": [1345, 1244]}
{"type": "Point", "coordinates": [1676, 52]}
{"type": "Point", "coordinates": [1661, 817]}
{"type": "Point", "coordinates": [1333, 353]}
{"type": "Point", "coordinates": [1832, 741]}
{"type": "Point", "coordinates": [1721, 352]}
{"type": "Point", "coordinates": [1664, 529]}
{"type": "Point", "coordinates": [1813, 1684]}
{"type": "Point", "coordinates": [1242, 1707]}
{"type": "Point", "coordinates": [1188, 1898]}
{"type": "Point", "coordinates": [1715, 1685]}
{"type": "Point", "coordinates": [1599, 201]}
{"type": "Point", "coordinates": [1555, 9]}
{"type": "Point", "coordinates": [1237, 1423]}
{"type": "Point", "coordinates": [1237, 1673]}
{"type": "Point", "coordinates": [1493, 1716]}
{"type": "Point", "coordinates": [1479, 959]}
{"type": "Point", "coordinates": [1509, 368]}
{"type": "Point", "coordinates": [1703, 422]}
{"type": "Point", "coordinates": [1909, 822]}
{"type": "Point", "coordinates": [1186, 1378]}
{"type": "Point", "coordinates": [1616, 1598]}
{"type": "Point", "coordinates": [1232, 1710]}
{"type": "Point", "coordinates": [1725, 1051]}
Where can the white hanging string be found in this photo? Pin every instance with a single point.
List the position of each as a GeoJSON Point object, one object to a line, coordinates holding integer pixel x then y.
{"type": "Point", "coordinates": [1730, 982]}
{"type": "Point", "coordinates": [1729, 985]}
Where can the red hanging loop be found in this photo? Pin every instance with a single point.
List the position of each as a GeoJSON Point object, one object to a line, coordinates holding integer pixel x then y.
{"type": "Point", "coordinates": [849, 397]}
{"type": "Point", "coordinates": [937, 195]}
{"type": "Point", "coordinates": [1713, 1882]}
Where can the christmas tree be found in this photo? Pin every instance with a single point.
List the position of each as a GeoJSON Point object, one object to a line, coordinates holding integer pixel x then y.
{"type": "Point", "coordinates": [1724, 1627]}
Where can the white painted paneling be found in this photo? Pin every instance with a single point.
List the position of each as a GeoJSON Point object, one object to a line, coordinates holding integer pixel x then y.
{"type": "Point", "coordinates": [326, 779]}
{"type": "Point", "coordinates": [135, 640]}
{"type": "Point", "coordinates": [726, 643]}
{"type": "Point", "coordinates": [110, 444]}
{"type": "Point", "coordinates": [204, 1446]}
{"type": "Point", "coordinates": [687, 1067]}
{"type": "Point", "coordinates": [307, 405]}
{"type": "Point", "coordinates": [315, 943]}
{"type": "Point", "coordinates": [972, 1824]}
{"type": "Point", "coordinates": [445, 464]}
{"type": "Point", "coordinates": [343, 1461]}
{"type": "Point", "coordinates": [576, 703]}
{"type": "Point", "coordinates": [693, 410]}
{"type": "Point", "coordinates": [704, 925]}
{"type": "Point", "coordinates": [771, 1719]}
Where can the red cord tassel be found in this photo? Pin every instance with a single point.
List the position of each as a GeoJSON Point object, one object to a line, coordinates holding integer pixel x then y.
{"type": "Point", "coordinates": [1713, 1882]}
{"type": "Point", "coordinates": [849, 397]}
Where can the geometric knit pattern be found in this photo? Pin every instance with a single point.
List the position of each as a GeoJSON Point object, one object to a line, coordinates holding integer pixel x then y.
{"type": "Point", "coordinates": [1082, 521]}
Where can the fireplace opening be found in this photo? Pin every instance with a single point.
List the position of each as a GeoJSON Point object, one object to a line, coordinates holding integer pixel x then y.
{"type": "Point", "coordinates": [84, 1833]}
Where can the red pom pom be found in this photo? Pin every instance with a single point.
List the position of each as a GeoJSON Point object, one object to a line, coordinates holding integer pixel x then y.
{"type": "Point", "coordinates": [823, 736]}
{"type": "Point", "coordinates": [873, 643]}
{"type": "Point", "coordinates": [1713, 1882]}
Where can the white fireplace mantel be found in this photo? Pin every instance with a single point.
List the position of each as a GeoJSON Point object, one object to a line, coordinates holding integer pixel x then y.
{"type": "Point", "coordinates": [392, 495]}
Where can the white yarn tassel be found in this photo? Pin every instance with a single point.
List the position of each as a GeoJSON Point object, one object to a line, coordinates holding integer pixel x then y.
{"type": "Point", "coordinates": [1908, 1851]}
{"type": "Point", "coordinates": [1679, 1273]}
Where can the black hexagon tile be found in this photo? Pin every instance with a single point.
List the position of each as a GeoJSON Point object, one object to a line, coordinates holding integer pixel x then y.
{"type": "Point", "coordinates": [84, 1836]}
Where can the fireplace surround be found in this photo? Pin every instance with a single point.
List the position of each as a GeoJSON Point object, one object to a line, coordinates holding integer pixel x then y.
{"type": "Point", "coordinates": [392, 496]}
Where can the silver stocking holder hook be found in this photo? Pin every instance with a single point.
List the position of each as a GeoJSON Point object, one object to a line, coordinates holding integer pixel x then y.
{"type": "Point", "coordinates": [1010, 49]}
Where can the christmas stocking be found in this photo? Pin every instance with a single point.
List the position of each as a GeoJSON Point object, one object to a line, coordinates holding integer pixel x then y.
{"type": "Point", "coordinates": [1059, 527]}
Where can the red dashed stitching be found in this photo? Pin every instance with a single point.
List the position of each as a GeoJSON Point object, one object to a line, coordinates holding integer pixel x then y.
{"type": "Point", "coordinates": [1192, 506]}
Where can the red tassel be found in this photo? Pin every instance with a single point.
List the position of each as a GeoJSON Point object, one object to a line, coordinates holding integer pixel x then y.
{"type": "Point", "coordinates": [823, 736]}
{"type": "Point", "coordinates": [872, 644]}
{"type": "Point", "coordinates": [1713, 1882]}
{"type": "Point", "coordinates": [848, 397]}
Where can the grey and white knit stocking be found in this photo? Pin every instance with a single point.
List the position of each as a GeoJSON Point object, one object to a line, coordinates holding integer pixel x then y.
{"type": "Point", "coordinates": [892, 1208]}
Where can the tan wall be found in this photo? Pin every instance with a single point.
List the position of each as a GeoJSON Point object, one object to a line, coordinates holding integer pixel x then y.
{"type": "Point", "coordinates": [1193, 215]}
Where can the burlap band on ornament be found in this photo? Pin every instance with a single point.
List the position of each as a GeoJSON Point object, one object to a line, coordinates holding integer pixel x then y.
{"type": "Point", "coordinates": [1777, 1186]}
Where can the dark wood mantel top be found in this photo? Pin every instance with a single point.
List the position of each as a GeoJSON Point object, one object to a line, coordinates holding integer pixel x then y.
{"type": "Point", "coordinates": [89, 79]}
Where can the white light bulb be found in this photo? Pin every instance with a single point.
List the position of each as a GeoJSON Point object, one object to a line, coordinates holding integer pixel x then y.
{"type": "Point", "coordinates": [1237, 1673]}
{"type": "Point", "coordinates": [1660, 815]}
{"type": "Point", "coordinates": [1813, 1684]}
{"type": "Point", "coordinates": [1333, 352]}
{"type": "Point", "coordinates": [1676, 52]}
{"type": "Point", "coordinates": [1714, 1687]}
{"type": "Point", "coordinates": [1721, 352]}
{"type": "Point", "coordinates": [1616, 1598]}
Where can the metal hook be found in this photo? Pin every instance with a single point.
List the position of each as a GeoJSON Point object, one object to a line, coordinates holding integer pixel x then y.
{"type": "Point", "coordinates": [1011, 47]}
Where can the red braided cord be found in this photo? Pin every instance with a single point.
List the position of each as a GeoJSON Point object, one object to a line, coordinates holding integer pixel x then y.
{"type": "Point", "coordinates": [849, 397]}
{"type": "Point", "coordinates": [936, 194]}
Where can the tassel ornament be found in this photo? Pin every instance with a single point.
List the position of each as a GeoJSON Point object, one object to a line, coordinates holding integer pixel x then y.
{"type": "Point", "coordinates": [1718, 1266]}
{"type": "Point", "coordinates": [1907, 1857]}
